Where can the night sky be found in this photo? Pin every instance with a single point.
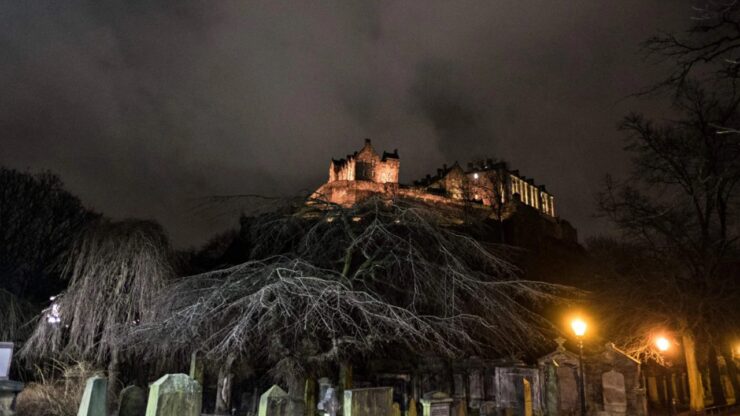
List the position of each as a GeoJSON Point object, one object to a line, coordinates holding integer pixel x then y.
{"type": "Point", "coordinates": [144, 106]}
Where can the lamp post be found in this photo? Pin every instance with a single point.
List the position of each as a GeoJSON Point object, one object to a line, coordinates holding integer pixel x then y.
{"type": "Point", "coordinates": [663, 344]}
{"type": "Point", "coordinates": [579, 328]}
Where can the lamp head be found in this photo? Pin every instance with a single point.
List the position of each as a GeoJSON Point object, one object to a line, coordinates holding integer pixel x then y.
{"type": "Point", "coordinates": [579, 326]}
{"type": "Point", "coordinates": [662, 343]}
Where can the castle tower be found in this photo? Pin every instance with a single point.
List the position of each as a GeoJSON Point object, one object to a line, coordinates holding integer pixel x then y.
{"type": "Point", "coordinates": [366, 165]}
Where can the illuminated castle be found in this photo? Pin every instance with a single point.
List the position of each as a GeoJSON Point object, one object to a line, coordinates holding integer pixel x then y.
{"type": "Point", "coordinates": [485, 183]}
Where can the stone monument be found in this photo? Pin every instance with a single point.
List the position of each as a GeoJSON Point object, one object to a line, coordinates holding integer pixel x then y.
{"type": "Point", "coordinates": [274, 402]}
{"type": "Point", "coordinates": [436, 404]}
{"type": "Point", "coordinates": [377, 401]}
{"type": "Point", "coordinates": [615, 397]}
{"type": "Point", "coordinates": [132, 401]}
{"type": "Point", "coordinates": [174, 395]}
{"type": "Point", "coordinates": [95, 398]}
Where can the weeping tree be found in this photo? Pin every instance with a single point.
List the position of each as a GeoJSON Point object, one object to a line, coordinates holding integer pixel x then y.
{"type": "Point", "coordinates": [114, 269]}
{"type": "Point", "coordinates": [325, 283]}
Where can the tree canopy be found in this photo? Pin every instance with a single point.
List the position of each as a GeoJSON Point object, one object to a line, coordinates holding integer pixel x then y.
{"type": "Point", "coordinates": [38, 221]}
{"type": "Point", "coordinates": [323, 283]}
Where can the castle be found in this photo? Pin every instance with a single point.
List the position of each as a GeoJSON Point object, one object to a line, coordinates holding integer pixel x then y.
{"type": "Point", "coordinates": [487, 183]}
{"type": "Point", "coordinates": [490, 187]}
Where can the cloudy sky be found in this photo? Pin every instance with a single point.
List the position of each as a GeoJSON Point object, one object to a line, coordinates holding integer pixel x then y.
{"type": "Point", "coordinates": [144, 106]}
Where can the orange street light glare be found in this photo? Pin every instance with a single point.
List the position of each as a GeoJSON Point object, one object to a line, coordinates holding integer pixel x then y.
{"type": "Point", "coordinates": [662, 343]}
{"type": "Point", "coordinates": [579, 326]}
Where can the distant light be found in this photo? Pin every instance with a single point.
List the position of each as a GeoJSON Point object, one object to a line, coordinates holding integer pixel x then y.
{"type": "Point", "coordinates": [356, 219]}
{"type": "Point", "coordinates": [663, 343]}
{"type": "Point", "coordinates": [330, 219]}
{"type": "Point", "coordinates": [476, 176]}
{"type": "Point", "coordinates": [579, 327]}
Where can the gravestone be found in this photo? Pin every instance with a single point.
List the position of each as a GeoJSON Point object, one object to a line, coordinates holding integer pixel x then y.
{"type": "Point", "coordinates": [274, 402]}
{"type": "Point", "coordinates": [568, 390]}
{"type": "Point", "coordinates": [95, 398]}
{"type": "Point", "coordinates": [377, 401]}
{"type": "Point", "coordinates": [132, 402]}
{"type": "Point", "coordinates": [550, 385]}
{"type": "Point", "coordinates": [487, 408]}
{"type": "Point", "coordinates": [615, 397]}
{"type": "Point", "coordinates": [436, 404]}
{"type": "Point", "coordinates": [475, 387]}
{"type": "Point", "coordinates": [6, 357]}
{"type": "Point", "coordinates": [459, 385]}
{"type": "Point", "coordinates": [174, 395]}
{"type": "Point", "coordinates": [412, 408]}
{"type": "Point", "coordinates": [518, 389]}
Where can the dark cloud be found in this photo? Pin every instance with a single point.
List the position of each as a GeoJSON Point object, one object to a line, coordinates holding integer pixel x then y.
{"type": "Point", "coordinates": [142, 106]}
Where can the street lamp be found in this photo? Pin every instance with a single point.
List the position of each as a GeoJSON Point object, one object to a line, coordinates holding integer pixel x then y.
{"type": "Point", "coordinates": [663, 344]}
{"type": "Point", "coordinates": [579, 328]}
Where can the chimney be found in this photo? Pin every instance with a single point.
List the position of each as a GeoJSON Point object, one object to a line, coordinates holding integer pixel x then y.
{"type": "Point", "coordinates": [368, 142]}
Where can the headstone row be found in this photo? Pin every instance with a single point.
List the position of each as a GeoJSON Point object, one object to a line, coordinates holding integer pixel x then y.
{"type": "Point", "coordinates": [171, 395]}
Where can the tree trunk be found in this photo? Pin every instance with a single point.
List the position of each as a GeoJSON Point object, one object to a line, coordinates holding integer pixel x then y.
{"type": "Point", "coordinates": [732, 372]}
{"type": "Point", "coordinates": [696, 391]}
{"type": "Point", "coordinates": [196, 368]}
{"type": "Point", "coordinates": [113, 376]}
{"type": "Point", "coordinates": [223, 392]}
{"type": "Point", "coordinates": [715, 379]}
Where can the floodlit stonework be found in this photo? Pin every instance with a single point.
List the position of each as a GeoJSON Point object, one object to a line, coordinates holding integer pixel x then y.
{"type": "Point", "coordinates": [492, 188]}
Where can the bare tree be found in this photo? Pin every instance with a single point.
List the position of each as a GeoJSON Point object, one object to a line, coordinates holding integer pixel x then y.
{"type": "Point", "coordinates": [680, 206]}
{"type": "Point", "coordinates": [709, 48]}
{"type": "Point", "coordinates": [114, 270]}
{"type": "Point", "coordinates": [326, 283]}
{"type": "Point", "coordinates": [38, 220]}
